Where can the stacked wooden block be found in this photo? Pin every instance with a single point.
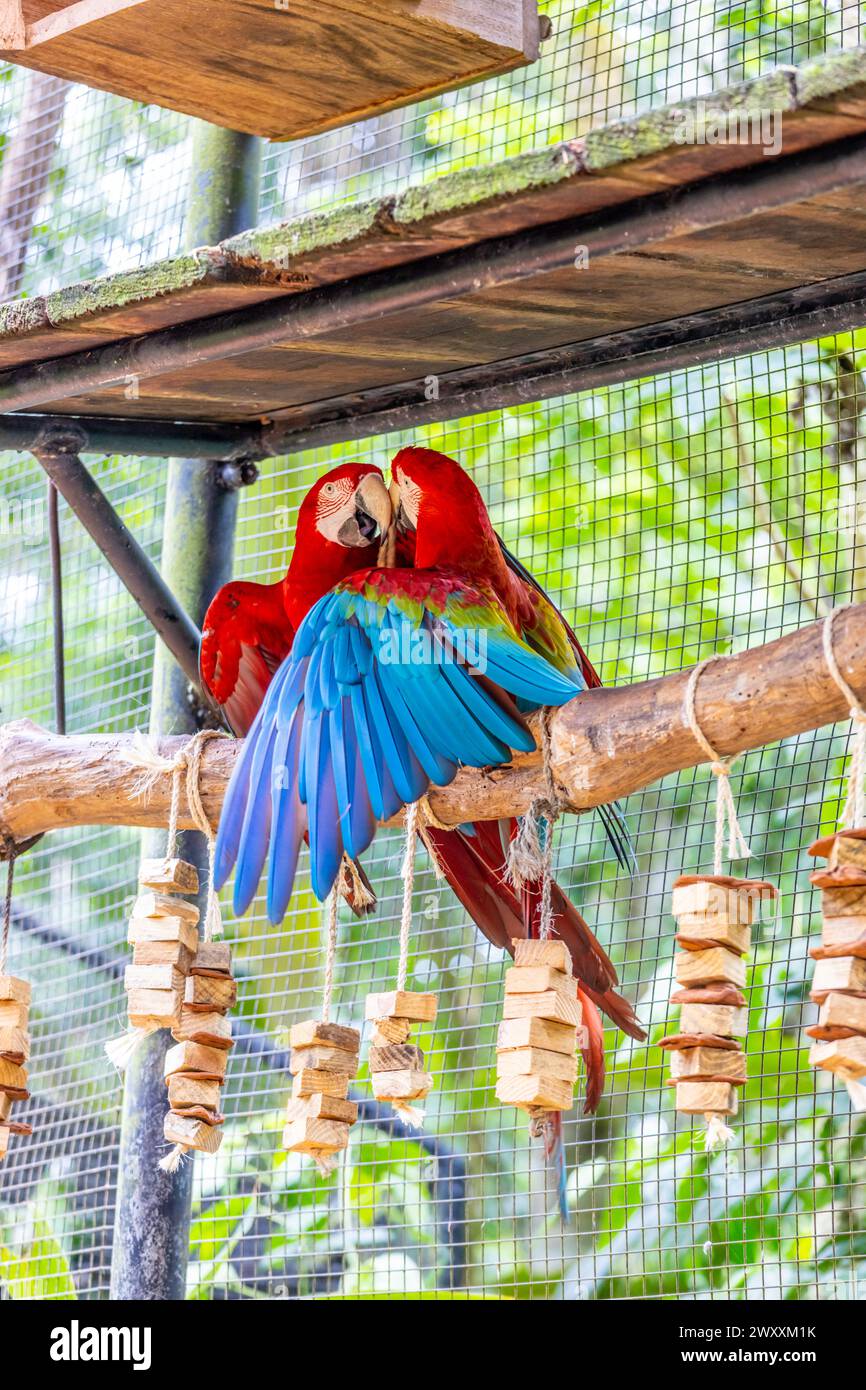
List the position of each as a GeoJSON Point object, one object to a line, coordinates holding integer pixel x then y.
{"type": "Point", "coordinates": [397, 1071]}
{"type": "Point", "coordinates": [839, 982]}
{"type": "Point", "coordinates": [714, 932]}
{"type": "Point", "coordinates": [540, 1032]}
{"type": "Point", "coordinates": [195, 1068]}
{"type": "Point", "coordinates": [324, 1060]}
{"type": "Point", "coordinates": [14, 1054]}
{"type": "Point", "coordinates": [163, 932]}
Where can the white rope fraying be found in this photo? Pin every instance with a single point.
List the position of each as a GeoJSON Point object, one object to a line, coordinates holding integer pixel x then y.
{"type": "Point", "coordinates": [174, 1158]}
{"type": "Point", "coordinates": [854, 810]}
{"type": "Point", "coordinates": [717, 1134]}
{"type": "Point", "coordinates": [121, 1050]}
{"type": "Point", "coordinates": [408, 876]}
{"type": "Point", "coordinates": [856, 1091]}
{"type": "Point", "coordinates": [330, 956]}
{"type": "Point", "coordinates": [325, 1162]}
{"type": "Point", "coordinates": [727, 824]}
{"type": "Point", "coordinates": [411, 1115]}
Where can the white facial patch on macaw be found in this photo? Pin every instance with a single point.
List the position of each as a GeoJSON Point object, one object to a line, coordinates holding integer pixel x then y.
{"type": "Point", "coordinates": [335, 511]}
{"type": "Point", "coordinates": [410, 497]}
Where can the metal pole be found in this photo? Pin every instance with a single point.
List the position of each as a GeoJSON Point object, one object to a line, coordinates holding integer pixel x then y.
{"type": "Point", "coordinates": [468, 270]}
{"type": "Point", "coordinates": [151, 1233]}
{"type": "Point", "coordinates": [236, 445]}
{"type": "Point", "coordinates": [126, 557]}
{"type": "Point", "coordinates": [57, 610]}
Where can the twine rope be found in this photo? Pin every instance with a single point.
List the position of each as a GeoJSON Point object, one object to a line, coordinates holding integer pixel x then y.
{"type": "Point", "coordinates": [530, 854]}
{"type": "Point", "coordinates": [854, 810]}
{"type": "Point", "coordinates": [427, 820]}
{"type": "Point", "coordinates": [408, 875]}
{"type": "Point", "coordinates": [7, 909]}
{"type": "Point", "coordinates": [213, 922]}
{"type": "Point", "coordinates": [330, 956]}
{"type": "Point", "coordinates": [145, 754]}
{"type": "Point", "coordinates": [727, 824]}
{"type": "Point", "coordinates": [545, 926]}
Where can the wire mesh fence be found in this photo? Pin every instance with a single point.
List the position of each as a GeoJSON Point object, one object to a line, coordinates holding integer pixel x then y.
{"type": "Point", "coordinates": [99, 184]}
{"type": "Point", "coordinates": [700, 512]}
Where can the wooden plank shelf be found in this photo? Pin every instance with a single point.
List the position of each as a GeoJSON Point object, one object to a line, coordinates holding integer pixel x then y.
{"type": "Point", "coordinates": [268, 68]}
{"type": "Point", "coordinates": [776, 225]}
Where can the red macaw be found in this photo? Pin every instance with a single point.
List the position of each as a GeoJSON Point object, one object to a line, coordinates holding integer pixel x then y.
{"type": "Point", "coordinates": [473, 859]}
{"type": "Point", "coordinates": [352, 728]}
{"type": "Point", "coordinates": [249, 628]}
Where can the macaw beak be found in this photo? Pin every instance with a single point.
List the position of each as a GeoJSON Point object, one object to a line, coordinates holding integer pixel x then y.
{"type": "Point", "coordinates": [401, 520]}
{"type": "Point", "coordinates": [372, 509]}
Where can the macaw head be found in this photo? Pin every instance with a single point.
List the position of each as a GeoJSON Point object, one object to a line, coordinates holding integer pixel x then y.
{"type": "Point", "coordinates": [341, 522]}
{"type": "Point", "coordinates": [437, 505]}
{"type": "Point", "coordinates": [349, 507]}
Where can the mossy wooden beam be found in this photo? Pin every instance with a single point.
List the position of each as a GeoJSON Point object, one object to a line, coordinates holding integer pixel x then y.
{"type": "Point", "coordinates": [605, 743]}
{"type": "Point", "coordinates": [818, 102]}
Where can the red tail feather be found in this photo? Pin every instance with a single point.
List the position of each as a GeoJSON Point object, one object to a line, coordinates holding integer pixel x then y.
{"type": "Point", "coordinates": [474, 866]}
{"type": "Point", "coordinates": [593, 1053]}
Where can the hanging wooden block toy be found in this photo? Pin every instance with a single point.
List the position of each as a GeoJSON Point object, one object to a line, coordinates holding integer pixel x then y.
{"type": "Point", "coordinates": [179, 978]}
{"type": "Point", "coordinates": [324, 1060]}
{"type": "Point", "coordinates": [540, 1032]}
{"type": "Point", "coordinates": [839, 981]}
{"type": "Point", "coordinates": [541, 1029]}
{"type": "Point", "coordinates": [714, 914]}
{"type": "Point", "coordinates": [397, 1069]}
{"type": "Point", "coordinates": [163, 933]}
{"type": "Point", "coordinates": [195, 1068]}
{"type": "Point", "coordinates": [14, 1032]}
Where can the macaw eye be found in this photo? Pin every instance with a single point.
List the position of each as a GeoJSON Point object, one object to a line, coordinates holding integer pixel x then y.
{"type": "Point", "coordinates": [329, 489]}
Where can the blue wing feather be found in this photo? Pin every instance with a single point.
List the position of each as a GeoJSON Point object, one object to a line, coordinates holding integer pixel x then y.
{"type": "Point", "coordinates": [255, 834]}
{"type": "Point", "coordinates": [346, 735]}
{"type": "Point", "coordinates": [288, 820]}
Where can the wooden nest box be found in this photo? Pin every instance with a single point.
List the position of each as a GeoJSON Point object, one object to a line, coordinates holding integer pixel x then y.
{"type": "Point", "coordinates": [279, 68]}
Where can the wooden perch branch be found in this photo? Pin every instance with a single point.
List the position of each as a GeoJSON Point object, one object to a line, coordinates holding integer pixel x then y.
{"type": "Point", "coordinates": [605, 743]}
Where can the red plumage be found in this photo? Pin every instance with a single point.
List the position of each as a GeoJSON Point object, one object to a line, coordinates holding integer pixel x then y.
{"type": "Point", "coordinates": [249, 628]}
{"type": "Point", "coordinates": [475, 865]}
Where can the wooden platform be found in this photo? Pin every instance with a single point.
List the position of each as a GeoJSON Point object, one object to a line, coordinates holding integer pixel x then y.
{"type": "Point", "coordinates": [281, 68]}
{"type": "Point", "coordinates": [746, 239]}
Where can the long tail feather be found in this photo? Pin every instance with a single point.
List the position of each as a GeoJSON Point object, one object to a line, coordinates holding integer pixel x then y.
{"type": "Point", "coordinates": [593, 1052]}
{"type": "Point", "coordinates": [618, 836]}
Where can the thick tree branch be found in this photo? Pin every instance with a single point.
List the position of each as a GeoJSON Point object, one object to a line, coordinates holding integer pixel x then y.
{"type": "Point", "coordinates": [605, 743]}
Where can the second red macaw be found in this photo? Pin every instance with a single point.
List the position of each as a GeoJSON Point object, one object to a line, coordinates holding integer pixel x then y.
{"type": "Point", "coordinates": [474, 859]}
{"type": "Point", "coordinates": [249, 628]}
